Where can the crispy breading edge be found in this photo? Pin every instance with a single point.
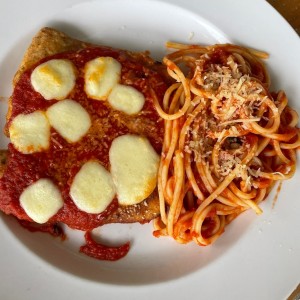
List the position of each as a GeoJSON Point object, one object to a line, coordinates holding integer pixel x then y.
{"type": "Point", "coordinates": [3, 158]}
{"type": "Point", "coordinates": [47, 42]}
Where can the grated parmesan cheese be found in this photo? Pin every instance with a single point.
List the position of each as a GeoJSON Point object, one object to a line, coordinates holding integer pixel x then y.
{"type": "Point", "coordinates": [236, 100]}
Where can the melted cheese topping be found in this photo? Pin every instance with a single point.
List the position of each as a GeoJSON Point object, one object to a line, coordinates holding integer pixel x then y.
{"type": "Point", "coordinates": [30, 133]}
{"type": "Point", "coordinates": [69, 119]}
{"type": "Point", "coordinates": [54, 79]}
{"type": "Point", "coordinates": [41, 200]}
{"type": "Point", "coordinates": [134, 166]}
{"type": "Point", "coordinates": [126, 99]}
{"type": "Point", "coordinates": [92, 189]}
{"type": "Point", "coordinates": [101, 75]}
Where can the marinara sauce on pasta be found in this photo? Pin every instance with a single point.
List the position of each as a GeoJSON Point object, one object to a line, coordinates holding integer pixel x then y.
{"type": "Point", "coordinates": [228, 139]}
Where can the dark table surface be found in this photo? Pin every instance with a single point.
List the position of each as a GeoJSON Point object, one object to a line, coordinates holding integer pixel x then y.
{"type": "Point", "coordinates": [290, 10]}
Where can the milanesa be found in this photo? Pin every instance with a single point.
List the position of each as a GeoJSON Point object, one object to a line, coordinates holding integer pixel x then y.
{"type": "Point", "coordinates": [82, 123]}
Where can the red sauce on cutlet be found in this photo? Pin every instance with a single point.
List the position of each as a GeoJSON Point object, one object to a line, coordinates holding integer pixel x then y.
{"type": "Point", "coordinates": [63, 160]}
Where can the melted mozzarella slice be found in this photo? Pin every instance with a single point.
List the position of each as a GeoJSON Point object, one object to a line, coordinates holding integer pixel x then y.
{"type": "Point", "coordinates": [101, 75]}
{"type": "Point", "coordinates": [69, 119]}
{"type": "Point", "coordinates": [92, 189]}
{"type": "Point", "coordinates": [41, 200]}
{"type": "Point", "coordinates": [134, 166]}
{"type": "Point", "coordinates": [30, 133]}
{"type": "Point", "coordinates": [54, 79]}
{"type": "Point", "coordinates": [126, 99]}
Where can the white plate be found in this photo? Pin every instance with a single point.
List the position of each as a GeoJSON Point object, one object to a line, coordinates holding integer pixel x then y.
{"type": "Point", "coordinates": [256, 258]}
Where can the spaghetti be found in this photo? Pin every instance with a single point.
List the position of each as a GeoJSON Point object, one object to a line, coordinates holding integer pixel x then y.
{"type": "Point", "coordinates": [227, 140]}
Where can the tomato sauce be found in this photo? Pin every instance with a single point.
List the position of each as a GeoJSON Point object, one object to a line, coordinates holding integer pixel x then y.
{"type": "Point", "coordinates": [63, 160]}
{"type": "Point", "coordinates": [103, 252]}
